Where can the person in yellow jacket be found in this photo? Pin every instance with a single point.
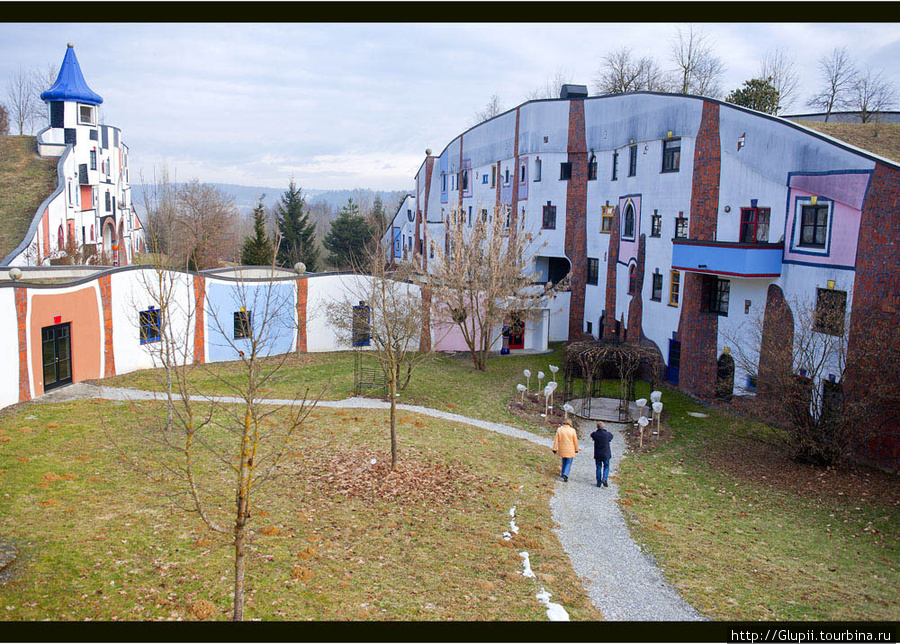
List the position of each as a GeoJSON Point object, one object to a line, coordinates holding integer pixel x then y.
{"type": "Point", "coordinates": [566, 443]}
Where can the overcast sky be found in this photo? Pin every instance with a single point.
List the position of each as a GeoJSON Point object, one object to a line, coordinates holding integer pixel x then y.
{"type": "Point", "coordinates": [356, 105]}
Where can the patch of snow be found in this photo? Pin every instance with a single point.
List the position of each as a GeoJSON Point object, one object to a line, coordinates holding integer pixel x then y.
{"type": "Point", "coordinates": [373, 461]}
{"type": "Point", "coordinates": [512, 523]}
{"type": "Point", "coordinates": [526, 564]}
{"type": "Point", "coordinates": [507, 536]}
{"type": "Point", "coordinates": [697, 414]}
{"type": "Point", "coordinates": [555, 612]}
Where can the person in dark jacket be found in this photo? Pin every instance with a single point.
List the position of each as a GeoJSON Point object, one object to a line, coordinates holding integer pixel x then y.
{"type": "Point", "coordinates": [602, 454]}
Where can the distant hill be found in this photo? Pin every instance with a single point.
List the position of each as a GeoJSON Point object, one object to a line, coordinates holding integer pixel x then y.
{"type": "Point", "coordinates": [25, 181]}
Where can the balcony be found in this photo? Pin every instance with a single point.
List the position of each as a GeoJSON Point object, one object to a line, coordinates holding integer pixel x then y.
{"type": "Point", "coordinates": [730, 259]}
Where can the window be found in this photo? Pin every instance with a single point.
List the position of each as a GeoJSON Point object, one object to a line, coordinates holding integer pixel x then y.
{"type": "Point", "coordinates": [465, 180]}
{"type": "Point", "coordinates": [493, 176]}
{"type": "Point", "coordinates": [671, 160]}
{"type": "Point", "coordinates": [522, 173]}
{"type": "Point", "coordinates": [243, 323]}
{"type": "Point", "coordinates": [590, 326]}
{"type": "Point", "coordinates": [674, 287]}
{"type": "Point", "coordinates": [593, 270]}
{"type": "Point", "coordinates": [149, 322]}
{"type": "Point", "coordinates": [443, 182]}
{"type": "Point", "coordinates": [754, 225]}
{"type": "Point", "coordinates": [409, 214]}
{"type": "Point", "coordinates": [592, 168]}
{"type": "Point", "coordinates": [549, 221]}
{"type": "Point", "coordinates": [362, 331]}
{"type": "Point", "coordinates": [484, 215]}
{"type": "Point", "coordinates": [719, 293]}
{"type": "Point", "coordinates": [484, 179]}
{"type": "Point", "coordinates": [431, 250]}
{"type": "Point", "coordinates": [832, 400]}
{"type": "Point", "coordinates": [86, 115]}
{"type": "Point", "coordinates": [565, 171]}
{"type": "Point", "coordinates": [656, 295]}
{"type": "Point", "coordinates": [108, 203]}
{"type": "Point", "coordinates": [681, 226]}
{"type": "Point", "coordinates": [615, 169]}
{"type": "Point", "coordinates": [656, 224]}
{"type": "Point", "coordinates": [454, 180]}
{"type": "Point", "coordinates": [632, 279]}
{"type": "Point", "coordinates": [93, 160]}
{"type": "Point", "coordinates": [506, 177]}
{"type": "Point", "coordinates": [606, 218]}
{"type": "Point", "coordinates": [92, 232]}
{"type": "Point", "coordinates": [470, 216]}
{"type": "Point", "coordinates": [813, 226]}
{"type": "Point", "coordinates": [752, 382]}
{"type": "Point", "coordinates": [831, 309]}
{"type": "Point", "coordinates": [632, 161]}
{"type": "Point", "coordinates": [537, 169]}
{"type": "Point", "coordinates": [628, 222]}
{"type": "Point", "coordinates": [60, 238]}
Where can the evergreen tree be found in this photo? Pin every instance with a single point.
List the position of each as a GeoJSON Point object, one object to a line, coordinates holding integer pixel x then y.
{"type": "Point", "coordinates": [379, 217]}
{"type": "Point", "coordinates": [257, 250]}
{"type": "Point", "coordinates": [348, 237]}
{"type": "Point", "coordinates": [298, 233]}
{"type": "Point", "coordinates": [758, 94]}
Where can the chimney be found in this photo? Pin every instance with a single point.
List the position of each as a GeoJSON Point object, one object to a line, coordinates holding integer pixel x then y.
{"type": "Point", "coordinates": [573, 91]}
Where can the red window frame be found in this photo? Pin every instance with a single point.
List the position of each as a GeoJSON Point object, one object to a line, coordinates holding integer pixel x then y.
{"type": "Point", "coordinates": [755, 225]}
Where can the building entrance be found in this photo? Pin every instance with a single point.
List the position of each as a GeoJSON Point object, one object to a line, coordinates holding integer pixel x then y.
{"type": "Point", "coordinates": [56, 355]}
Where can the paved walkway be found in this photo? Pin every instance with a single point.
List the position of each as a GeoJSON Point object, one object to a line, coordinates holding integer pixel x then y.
{"type": "Point", "coordinates": [623, 583]}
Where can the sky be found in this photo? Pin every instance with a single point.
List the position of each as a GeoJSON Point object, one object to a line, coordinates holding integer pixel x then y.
{"type": "Point", "coordinates": [356, 105]}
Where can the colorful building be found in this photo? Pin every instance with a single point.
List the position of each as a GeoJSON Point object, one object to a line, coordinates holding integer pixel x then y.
{"type": "Point", "coordinates": [89, 218]}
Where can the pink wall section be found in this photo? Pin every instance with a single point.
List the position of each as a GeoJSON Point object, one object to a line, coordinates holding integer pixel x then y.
{"type": "Point", "coordinates": [846, 192]}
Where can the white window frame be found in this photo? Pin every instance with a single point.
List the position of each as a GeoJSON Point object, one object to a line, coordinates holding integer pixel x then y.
{"type": "Point", "coordinates": [92, 110]}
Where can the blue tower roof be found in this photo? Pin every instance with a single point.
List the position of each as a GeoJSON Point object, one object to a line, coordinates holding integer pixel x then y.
{"type": "Point", "coordinates": [70, 84]}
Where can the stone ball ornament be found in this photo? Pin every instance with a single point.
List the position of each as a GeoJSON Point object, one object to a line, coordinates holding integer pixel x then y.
{"type": "Point", "coordinates": [299, 268]}
{"type": "Point", "coordinates": [15, 273]}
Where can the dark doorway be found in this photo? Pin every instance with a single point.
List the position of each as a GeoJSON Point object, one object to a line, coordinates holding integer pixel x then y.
{"type": "Point", "coordinates": [516, 333]}
{"type": "Point", "coordinates": [557, 269]}
{"type": "Point", "coordinates": [725, 377]}
{"type": "Point", "coordinates": [56, 355]}
{"type": "Point", "coordinates": [674, 363]}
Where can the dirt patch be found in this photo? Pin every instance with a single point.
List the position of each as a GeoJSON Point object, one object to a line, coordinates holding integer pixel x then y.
{"type": "Point", "coordinates": [651, 442]}
{"type": "Point", "coordinates": [367, 475]}
{"type": "Point", "coordinates": [532, 409]}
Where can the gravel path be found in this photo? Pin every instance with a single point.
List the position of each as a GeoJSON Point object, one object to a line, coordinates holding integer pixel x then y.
{"type": "Point", "coordinates": [623, 583]}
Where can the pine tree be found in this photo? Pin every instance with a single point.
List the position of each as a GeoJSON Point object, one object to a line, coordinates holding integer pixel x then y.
{"type": "Point", "coordinates": [348, 237]}
{"type": "Point", "coordinates": [758, 94]}
{"type": "Point", "coordinates": [298, 233]}
{"type": "Point", "coordinates": [379, 217]}
{"type": "Point", "coordinates": [257, 250]}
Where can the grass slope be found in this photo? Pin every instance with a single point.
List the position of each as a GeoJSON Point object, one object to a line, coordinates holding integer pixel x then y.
{"type": "Point", "coordinates": [747, 534]}
{"type": "Point", "coordinates": [331, 539]}
{"type": "Point", "coordinates": [25, 181]}
{"type": "Point", "coordinates": [882, 139]}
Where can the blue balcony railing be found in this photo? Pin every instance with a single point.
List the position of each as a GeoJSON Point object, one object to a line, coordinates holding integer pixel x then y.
{"type": "Point", "coordinates": [727, 258]}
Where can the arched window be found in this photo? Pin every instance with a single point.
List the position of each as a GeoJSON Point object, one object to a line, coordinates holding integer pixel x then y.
{"type": "Point", "coordinates": [61, 238]}
{"type": "Point", "coordinates": [628, 223]}
{"type": "Point", "coordinates": [632, 279]}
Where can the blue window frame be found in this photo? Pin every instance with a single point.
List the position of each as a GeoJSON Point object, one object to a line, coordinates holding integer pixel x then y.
{"type": "Point", "coordinates": [361, 328]}
{"type": "Point", "coordinates": [150, 322]}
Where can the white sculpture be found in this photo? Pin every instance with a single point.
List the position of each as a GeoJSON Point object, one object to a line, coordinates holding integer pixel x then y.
{"type": "Point", "coordinates": [569, 409]}
{"type": "Point", "coordinates": [655, 396]}
{"type": "Point", "coordinates": [527, 373]}
{"type": "Point", "coordinates": [522, 389]}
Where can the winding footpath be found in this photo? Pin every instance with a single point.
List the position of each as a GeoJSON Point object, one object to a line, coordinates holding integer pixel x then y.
{"type": "Point", "coordinates": [622, 582]}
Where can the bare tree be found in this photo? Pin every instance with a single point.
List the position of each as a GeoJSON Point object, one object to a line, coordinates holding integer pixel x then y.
{"type": "Point", "coordinates": [385, 311]}
{"type": "Point", "coordinates": [552, 86]}
{"type": "Point", "coordinates": [493, 108]}
{"type": "Point", "coordinates": [620, 72]}
{"type": "Point", "coordinates": [699, 69]}
{"type": "Point", "coordinates": [780, 67]}
{"type": "Point", "coordinates": [159, 201]}
{"type": "Point", "coordinates": [837, 77]}
{"type": "Point", "coordinates": [42, 79]}
{"type": "Point", "coordinates": [803, 371]}
{"type": "Point", "coordinates": [21, 100]}
{"type": "Point", "coordinates": [203, 228]}
{"type": "Point", "coordinates": [872, 93]}
{"type": "Point", "coordinates": [482, 280]}
{"type": "Point", "coordinates": [4, 120]}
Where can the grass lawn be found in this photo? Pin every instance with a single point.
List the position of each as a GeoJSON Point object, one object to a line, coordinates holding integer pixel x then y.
{"type": "Point", "coordinates": [441, 382]}
{"type": "Point", "coordinates": [747, 534]}
{"type": "Point", "coordinates": [25, 181]}
{"type": "Point", "coordinates": [333, 538]}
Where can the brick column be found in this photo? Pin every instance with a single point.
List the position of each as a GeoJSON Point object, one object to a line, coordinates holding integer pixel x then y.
{"type": "Point", "coordinates": [302, 292]}
{"type": "Point", "coordinates": [776, 344]}
{"type": "Point", "coordinates": [514, 199]}
{"type": "Point", "coordinates": [698, 330]}
{"type": "Point", "coordinates": [576, 217]}
{"type": "Point", "coordinates": [422, 213]}
{"type": "Point", "coordinates": [199, 319]}
{"type": "Point", "coordinates": [872, 350]}
{"type": "Point", "coordinates": [21, 317]}
{"type": "Point", "coordinates": [612, 260]}
{"type": "Point", "coordinates": [634, 332]}
{"type": "Point", "coordinates": [109, 356]}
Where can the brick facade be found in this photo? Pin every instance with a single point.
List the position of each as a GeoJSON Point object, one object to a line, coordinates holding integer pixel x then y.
{"type": "Point", "coordinates": [302, 292]}
{"type": "Point", "coordinates": [876, 305]}
{"type": "Point", "coordinates": [634, 331]}
{"type": "Point", "coordinates": [612, 261]}
{"type": "Point", "coordinates": [199, 319]}
{"type": "Point", "coordinates": [21, 295]}
{"type": "Point", "coordinates": [697, 329]}
{"type": "Point", "coordinates": [109, 356]}
{"type": "Point", "coordinates": [576, 217]}
{"type": "Point", "coordinates": [776, 344]}
{"type": "Point", "coordinates": [422, 214]}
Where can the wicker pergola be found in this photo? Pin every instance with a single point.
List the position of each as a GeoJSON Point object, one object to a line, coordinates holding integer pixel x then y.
{"type": "Point", "coordinates": [591, 362]}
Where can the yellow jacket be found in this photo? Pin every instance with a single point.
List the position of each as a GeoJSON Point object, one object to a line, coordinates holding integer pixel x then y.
{"type": "Point", "coordinates": [566, 441]}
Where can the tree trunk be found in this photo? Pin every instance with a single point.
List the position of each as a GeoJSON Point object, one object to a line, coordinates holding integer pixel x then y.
{"type": "Point", "coordinates": [393, 392]}
{"type": "Point", "coordinates": [239, 559]}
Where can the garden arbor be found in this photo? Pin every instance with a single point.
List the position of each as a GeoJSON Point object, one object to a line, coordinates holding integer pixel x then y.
{"type": "Point", "coordinates": [592, 361]}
